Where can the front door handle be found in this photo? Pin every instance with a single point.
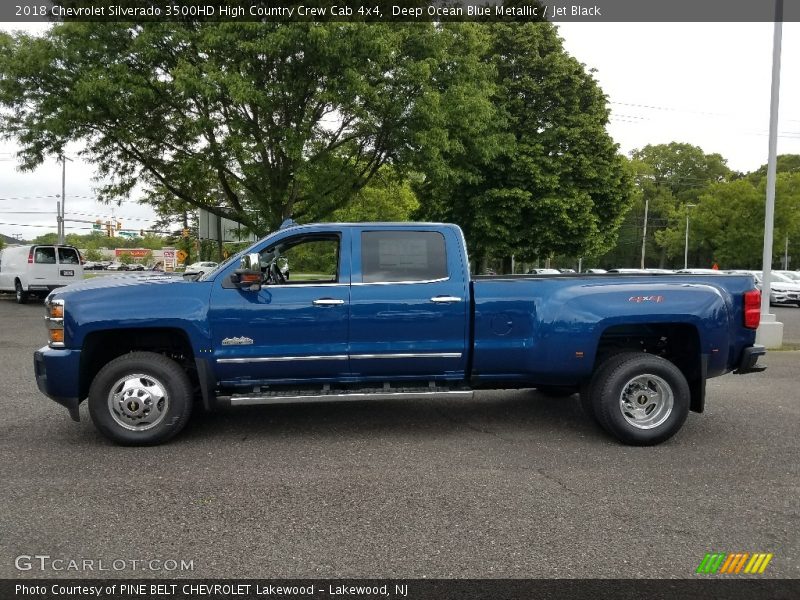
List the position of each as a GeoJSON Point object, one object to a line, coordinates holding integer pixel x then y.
{"type": "Point", "coordinates": [445, 299]}
{"type": "Point", "coordinates": [327, 302]}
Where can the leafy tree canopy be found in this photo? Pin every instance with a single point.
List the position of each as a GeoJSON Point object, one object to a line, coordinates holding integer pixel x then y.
{"type": "Point", "coordinates": [547, 178]}
{"type": "Point", "coordinates": [246, 119]}
{"type": "Point", "coordinates": [668, 177]}
{"type": "Point", "coordinates": [727, 221]}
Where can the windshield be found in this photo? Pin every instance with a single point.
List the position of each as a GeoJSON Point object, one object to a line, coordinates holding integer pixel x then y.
{"type": "Point", "coordinates": [781, 277]}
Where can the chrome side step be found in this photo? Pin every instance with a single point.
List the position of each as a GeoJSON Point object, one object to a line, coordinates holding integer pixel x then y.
{"type": "Point", "coordinates": [288, 397]}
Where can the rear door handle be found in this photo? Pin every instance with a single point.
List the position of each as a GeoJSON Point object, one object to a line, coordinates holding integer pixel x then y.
{"type": "Point", "coordinates": [327, 302]}
{"type": "Point", "coordinates": [445, 299]}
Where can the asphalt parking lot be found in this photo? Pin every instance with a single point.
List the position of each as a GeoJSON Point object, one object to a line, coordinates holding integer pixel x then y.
{"type": "Point", "coordinates": [509, 484]}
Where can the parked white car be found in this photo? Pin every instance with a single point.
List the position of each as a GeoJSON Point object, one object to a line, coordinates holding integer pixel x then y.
{"type": "Point", "coordinates": [198, 269]}
{"type": "Point", "coordinates": [38, 270]}
{"type": "Point", "coordinates": [782, 289]}
{"type": "Point", "coordinates": [117, 266]}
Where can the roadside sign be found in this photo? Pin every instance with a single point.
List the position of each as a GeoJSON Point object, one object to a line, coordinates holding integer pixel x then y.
{"type": "Point", "coordinates": [182, 256]}
{"type": "Point", "coordinates": [169, 259]}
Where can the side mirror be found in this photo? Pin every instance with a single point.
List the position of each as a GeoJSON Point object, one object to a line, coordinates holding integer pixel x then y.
{"type": "Point", "coordinates": [248, 276]}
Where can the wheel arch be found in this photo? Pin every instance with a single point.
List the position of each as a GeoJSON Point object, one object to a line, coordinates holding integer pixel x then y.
{"type": "Point", "coordinates": [678, 342]}
{"type": "Point", "coordinates": [101, 347]}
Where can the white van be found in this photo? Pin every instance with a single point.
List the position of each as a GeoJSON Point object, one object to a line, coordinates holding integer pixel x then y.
{"type": "Point", "coordinates": [37, 270]}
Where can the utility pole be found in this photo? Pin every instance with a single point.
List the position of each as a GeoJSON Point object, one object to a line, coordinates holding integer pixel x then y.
{"type": "Point", "coordinates": [61, 236]}
{"type": "Point", "coordinates": [61, 210]}
{"type": "Point", "coordinates": [644, 230]}
{"type": "Point", "coordinates": [786, 253]}
{"type": "Point", "coordinates": [770, 332]}
{"type": "Point", "coordinates": [686, 245]}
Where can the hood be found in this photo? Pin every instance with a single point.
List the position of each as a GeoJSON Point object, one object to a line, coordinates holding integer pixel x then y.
{"type": "Point", "coordinates": [133, 301]}
{"type": "Point", "coordinates": [118, 281]}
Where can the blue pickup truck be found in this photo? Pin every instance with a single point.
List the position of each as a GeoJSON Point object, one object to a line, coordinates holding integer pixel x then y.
{"type": "Point", "coordinates": [327, 312]}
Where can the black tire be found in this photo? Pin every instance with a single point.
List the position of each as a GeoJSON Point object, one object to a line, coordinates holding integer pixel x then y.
{"type": "Point", "coordinates": [555, 391]}
{"type": "Point", "coordinates": [135, 421]}
{"type": "Point", "coordinates": [657, 398]}
{"type": "Point", "coordinates": [21, 295]}
{"type": "Point", "coordinates": [587, 389]}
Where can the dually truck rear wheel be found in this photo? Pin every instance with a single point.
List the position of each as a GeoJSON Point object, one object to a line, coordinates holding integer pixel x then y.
{"type": "Point", "coordinates": [140, 399]}
{"type": "Point", "coordinates": [640, 399]}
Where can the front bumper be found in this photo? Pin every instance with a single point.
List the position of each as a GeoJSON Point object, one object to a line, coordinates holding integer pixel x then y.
{"type": "Point", "coordinates": [57, 373]}
{"type": "Point", "coordinates": [784, 297]}
{"type": "Point", "coordinates": [749, 360]}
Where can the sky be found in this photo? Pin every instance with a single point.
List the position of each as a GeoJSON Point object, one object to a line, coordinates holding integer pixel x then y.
{"type": "Point", "coordinates": [707, 84]}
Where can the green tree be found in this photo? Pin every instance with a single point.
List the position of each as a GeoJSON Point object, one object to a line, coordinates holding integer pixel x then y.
{"type": "Point", "coordinates": [786, 163]}
{"type": "Point", "coordinates": [727, 226]}
{"type": "Point", "coordinates": [668, 177]}
{"type": "Point", "coordinates": [245, 119]}
{"type": "Point", "coordinates": [93, 254]}
{"type": "Point", "coordinates": [388, 197]}
{"type": "Point", "coordinates": [548, 178]}
{"type": "Point", "coordinates": [46, 238]}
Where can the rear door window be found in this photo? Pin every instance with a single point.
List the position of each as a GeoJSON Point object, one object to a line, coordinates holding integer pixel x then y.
{"type": "Point", "coordinates": [390, 256]}
{"type": "Point", "coordinates": [44, 255]}
{"type": "Point", "coordinates": [68, 256]}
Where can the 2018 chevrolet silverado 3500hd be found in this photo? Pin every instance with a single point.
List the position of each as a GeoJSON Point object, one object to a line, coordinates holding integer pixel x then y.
{"type": "Point", "coordinates": [389, 310]}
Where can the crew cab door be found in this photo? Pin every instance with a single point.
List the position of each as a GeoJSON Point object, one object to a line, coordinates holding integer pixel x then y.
{"type": "Point", "coordinates": [408, 315]}
{"type": "Point", "coordinates": [294, 328]}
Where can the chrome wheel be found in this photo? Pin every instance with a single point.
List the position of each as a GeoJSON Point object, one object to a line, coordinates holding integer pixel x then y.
{"type": "Point", "coordinates": [646, 401]}
{"type": "Point", "coordinates": [138, 402]}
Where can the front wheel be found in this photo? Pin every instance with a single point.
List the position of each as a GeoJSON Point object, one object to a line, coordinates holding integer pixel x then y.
{"type": "Point", "coordinates": [140, 399]}
{"type": "Point", "coordinates": [641, 399]}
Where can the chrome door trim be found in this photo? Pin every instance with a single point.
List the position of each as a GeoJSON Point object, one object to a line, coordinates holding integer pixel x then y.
{"type": "Point", "coordinates": [262, 359]}
{"type": "Point", "coordinates": [409, 355]}
{"type": "Point", "coordinates": [360, 283]}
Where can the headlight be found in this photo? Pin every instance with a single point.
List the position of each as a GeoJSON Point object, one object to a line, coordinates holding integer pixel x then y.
{"type": "Point", "coordinates": [55, 323]}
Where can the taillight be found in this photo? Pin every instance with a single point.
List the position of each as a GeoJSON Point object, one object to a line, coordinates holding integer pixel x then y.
{"type": "Point", "coordinates": [30, 257]}
{"type": "Point", "coordinates": [752, 309]}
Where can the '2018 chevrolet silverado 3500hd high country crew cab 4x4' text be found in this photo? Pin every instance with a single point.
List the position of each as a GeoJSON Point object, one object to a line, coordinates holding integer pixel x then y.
{"type": "Point", "coordinates": [389, 310]}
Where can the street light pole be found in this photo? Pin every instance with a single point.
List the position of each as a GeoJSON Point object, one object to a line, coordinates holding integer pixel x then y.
{"type": "Point", "coordinates": [60, 213]}
{"type": "Point", "coordinates": [644, 230]}
{"type": "Point", "coordinates": [770, 332]}
{"type": "Point", "coordinates": [686, 244]}
{"type": "Point", "coordinates": [61, 235]}
{"type": "Point", "coordinates": [786, 253]}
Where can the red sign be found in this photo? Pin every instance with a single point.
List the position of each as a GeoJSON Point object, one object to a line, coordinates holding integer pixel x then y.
{"type": "Point", "coordinates": [133, 252]}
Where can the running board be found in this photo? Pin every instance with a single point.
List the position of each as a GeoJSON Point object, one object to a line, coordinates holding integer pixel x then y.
{"type": "Point", "coordinates": [304, 397]}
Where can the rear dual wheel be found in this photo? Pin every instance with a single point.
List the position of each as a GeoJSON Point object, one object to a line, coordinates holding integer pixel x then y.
{"type": "Point", "coordinates": [639, 398]}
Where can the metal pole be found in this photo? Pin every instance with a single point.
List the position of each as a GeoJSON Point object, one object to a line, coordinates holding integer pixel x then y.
{"type": "Point", "coordinates": [686, 244]}
{"type": "Point", "coordinates": [61, 236]}
{"type": "Point", "coordinates": [786, 253]}
{"type": "Point", "coordinates": [59, 222]}
{"type": "Point", "coordinates": [644, 230]}
{"type": "Point", "coordinates": [769, 217]}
